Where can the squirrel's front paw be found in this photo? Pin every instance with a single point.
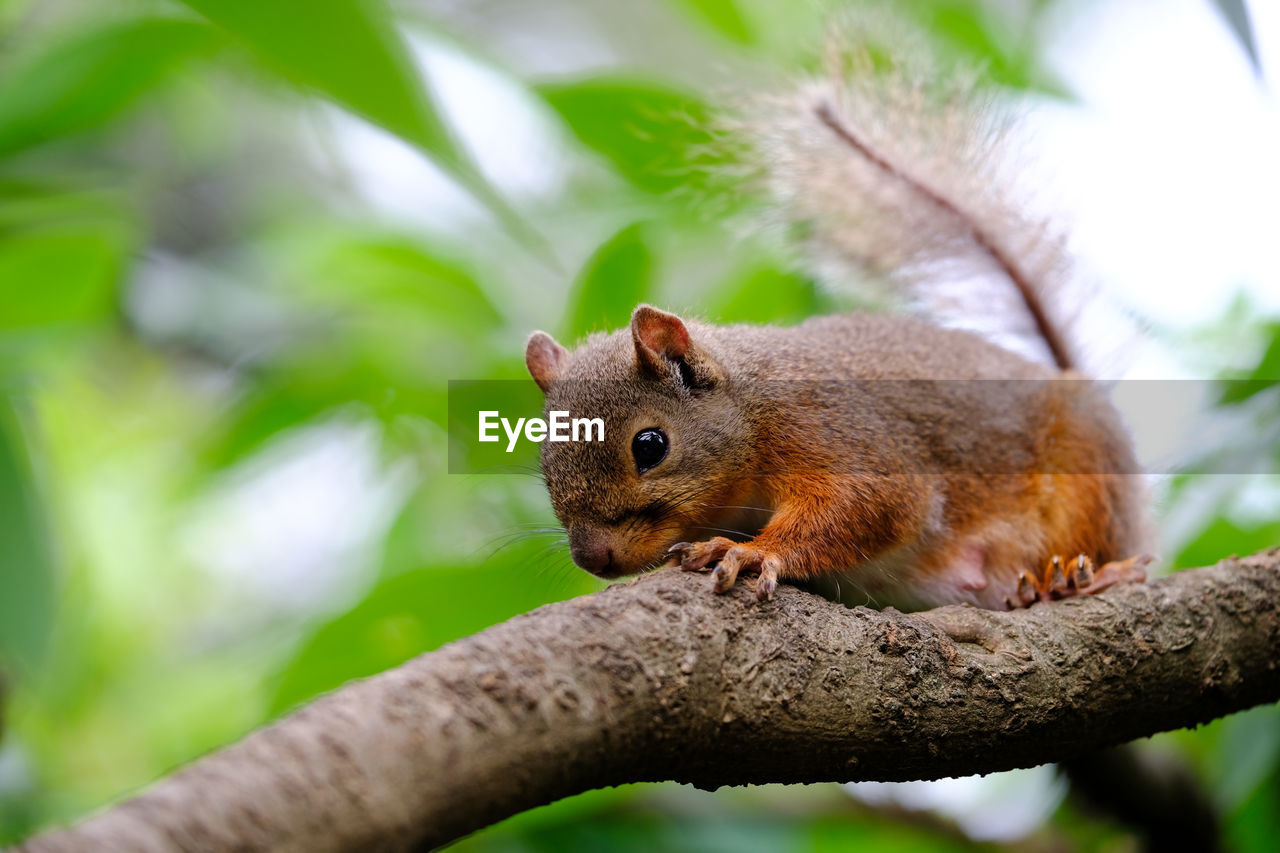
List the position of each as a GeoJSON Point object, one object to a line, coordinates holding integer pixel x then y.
{"type": "Point", "coordinates": [733, 558]}
{"type": "Point", "coordinates": [695, 556]}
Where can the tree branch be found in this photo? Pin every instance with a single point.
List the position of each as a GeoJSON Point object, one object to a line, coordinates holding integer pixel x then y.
{"type": "Point", "coordinates": [659, 679]}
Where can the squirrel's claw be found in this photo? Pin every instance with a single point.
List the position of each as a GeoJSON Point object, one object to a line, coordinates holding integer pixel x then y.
{"type": "Point", "coordinates": [1059, 577]}
{"type": "Point", "coordinates": [694, 557]}
{"type": "Point", "coordinates": [675, 554]}
{"type": "Point", "coordinates": [1081, 576]}
{"type": "Point", "coordinates": [1026, 594]}
{"type": "Point", "coordinates": [735, 560]}
{"type": "Point", "coordinates": [748, 558]}
{"type": "Point", "coordinates": [1068, 578]}
{"type": "Point", "coordinates": [725, 574]}
{"type": "Point", "coordinates": [768, 577]}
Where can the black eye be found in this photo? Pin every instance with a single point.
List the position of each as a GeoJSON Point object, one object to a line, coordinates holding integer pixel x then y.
{"type": "Point", "coordinates": [649, 447]}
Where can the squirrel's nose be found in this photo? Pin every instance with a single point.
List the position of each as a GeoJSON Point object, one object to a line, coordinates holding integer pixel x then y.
{"type": "Point", "coordinates": [592, 553]}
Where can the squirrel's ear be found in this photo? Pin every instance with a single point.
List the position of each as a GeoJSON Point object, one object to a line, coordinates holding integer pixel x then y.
{"type": "Point", "coordinates": [545, 359]}
{"type": "Point", "coordinates": [660, 337]}
{"type": "Point", "coordinates": [662, 341]}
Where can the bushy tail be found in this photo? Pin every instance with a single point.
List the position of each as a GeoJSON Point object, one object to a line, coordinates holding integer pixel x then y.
{"type": "Point", "coordinates": [899, 171]}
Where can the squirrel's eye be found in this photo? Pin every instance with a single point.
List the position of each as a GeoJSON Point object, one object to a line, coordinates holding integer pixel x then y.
{"type": "Point", "coordinates": [649, 447]}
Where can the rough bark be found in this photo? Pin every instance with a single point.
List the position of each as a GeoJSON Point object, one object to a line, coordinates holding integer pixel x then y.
{"type": "Point", "coordinates": [659, 679]}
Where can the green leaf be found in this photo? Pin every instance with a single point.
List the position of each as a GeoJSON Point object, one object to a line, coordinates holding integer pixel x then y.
{"type": "Point", "coordinates": [376, 322]}
{"type": "Point", "coordinates": [385, 275]}
{"type": "Point", "coordinates": [1222, 538]}
{"type": "Point", "coordinates": [26, 567]}
{"type": "Point", "coordinates": [310, 392]}
{"type": "Point", "coordinates": [420, 610]}
{"type": "Point", "coordinates": [722, 15]}
{"type": "Point", "coordinates": [633, 819]}
{"type": "Point", "coordinates": [655, 136]}
{"type": "Point", "coordinates": [1244, 754]}
{"type": "Point", "coordinates": [350, 51]}
{"type": "Point", "coordinates": [273, 406]}
{"type": "Point", "coordinates": [84, 81]}
{"type": "Point", "coordinates": [1264, 377]}
{"type": "Point", "coordinates": [970, 31]}
{"type": "Point", "coordinates": [616, 278]}
{"type": "Point", "coordinates": [60, 274]}
{"type": "Point", "coordinates": [768, 295]}
{"type": "Point", "coordinates": [1255, 824]}
{"type": "Point", "coordinates": [27, 202]}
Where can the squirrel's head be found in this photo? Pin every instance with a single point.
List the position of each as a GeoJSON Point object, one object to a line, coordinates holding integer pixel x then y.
{"type": "Point", "coordinates": [675, 441]}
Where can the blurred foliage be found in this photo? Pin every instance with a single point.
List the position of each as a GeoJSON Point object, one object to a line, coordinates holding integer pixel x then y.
{"type": "Point", "coordinates": [26, 573]}
{"type": "Point", "coordinates": [244, 250]}
{"type": "Point", "coordinates": [626, 819]}
{"type": "Point", "coordinates": [724, 16]}
{"type": "Point", "coordinates": [85, 80]}
{"type": "Point", "coordinates": [616, 278]}
{"type": "Point", "coordinates": [647, 132]}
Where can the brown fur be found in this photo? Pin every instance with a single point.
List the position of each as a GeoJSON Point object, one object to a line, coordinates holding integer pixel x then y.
{"type": "Point", "coordinates": [923, 465]}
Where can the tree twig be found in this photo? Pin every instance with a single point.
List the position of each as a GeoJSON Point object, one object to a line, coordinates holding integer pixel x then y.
{"type": "Point", "coordinates": [659, 679]}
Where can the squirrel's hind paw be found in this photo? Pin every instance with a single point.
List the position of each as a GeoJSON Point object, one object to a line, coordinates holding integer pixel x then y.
{"type": "Point", "coordinates": [1077, 576]}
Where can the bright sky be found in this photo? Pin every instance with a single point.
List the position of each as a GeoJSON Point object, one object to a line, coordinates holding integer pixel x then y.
{"type": "Point", "coordinates": [1170, 164]}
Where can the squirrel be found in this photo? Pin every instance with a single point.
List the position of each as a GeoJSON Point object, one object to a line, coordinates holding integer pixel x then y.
{"type": "Point", "coordinates": [922, 464]}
